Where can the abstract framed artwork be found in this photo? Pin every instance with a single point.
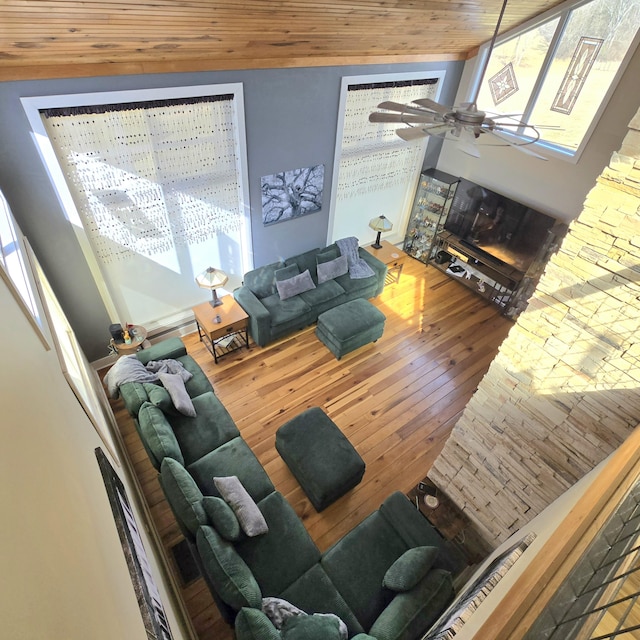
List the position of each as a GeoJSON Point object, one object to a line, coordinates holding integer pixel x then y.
{"type": "Point", "coordinates": [291, 194]}
{"type": "Point", "coordinates": [155, 620]}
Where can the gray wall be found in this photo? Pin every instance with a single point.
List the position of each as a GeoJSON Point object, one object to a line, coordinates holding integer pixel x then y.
{"type": "Point", "coordinates": [291, 119]}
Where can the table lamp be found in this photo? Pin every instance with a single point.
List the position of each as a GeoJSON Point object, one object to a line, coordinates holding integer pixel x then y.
{"type": "Point", "coordinates": [380, 224]}
{"type": "Point", "coordinates": [212, 279]}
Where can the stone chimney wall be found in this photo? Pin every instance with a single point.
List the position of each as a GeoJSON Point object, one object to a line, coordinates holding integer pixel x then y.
{"type": "Point", "coordinates": [563, 392]}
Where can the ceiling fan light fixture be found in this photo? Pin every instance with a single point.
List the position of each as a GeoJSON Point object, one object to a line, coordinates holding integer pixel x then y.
{"type": "Point", "coordinates": [464, 123]}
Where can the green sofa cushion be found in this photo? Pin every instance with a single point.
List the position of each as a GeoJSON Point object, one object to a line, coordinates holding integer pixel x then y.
{"type": "Point", "coordinates": [314, 592]}
{"type": "Point", "coordinates": [183, 495]}
{"type": "Point", "coordinates": [159, 397]}
{"type": "Point", "coordinates": [252, 624]}
{"type": "Point", "coordinates": [284, 553]}
{"type": "Point", "coordinates": [410, 568]}
{"type": "Point", "coordinates": [306, 260]}
{"type": "Point", "coordinates": [328, 254]}
{"type": "Point", "coordinates": [414, 528]}
{"type": "Point", "coordinates": [211, 428]}
{"type": "Point", "coordinates": [311, 628]}
{"type": "Point", "coordinates": [232, 458]}
{"type": "Point", "coordinates": [171, 348]}
{"type": "Point", "coordinates": [282, 311]}
{"type": "Point", "coordinates": [133, 395]}
{"type": "Point", "coordinates": [410, 614]}
{"type": "Point", "coordinates": [226, 570]}
{"type": "Point", "coordinates": [367, 551]}
{"type": "Point", "coordinates": [262, 281]}
{"type": "Point", "coordinates": [286, 272]}
{"type": "Point", "coordinates": [199, 382]}
{"type": "Point", "coordinates": [222, 517]}
{"type": "Point", "coordinates": [324, 296]}
{"type": "Point", "coordinates": [158, 436]}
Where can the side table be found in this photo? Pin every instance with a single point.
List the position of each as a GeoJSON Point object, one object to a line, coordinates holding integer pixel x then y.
{"type": "Point", "coordinates": [392, 256]}
{"type": "Point", "coordinates": [138, 341]}
{"type": "Point", "coordinates": [452, 524]}
{"type": "Point", "coordinates": [228, 335]}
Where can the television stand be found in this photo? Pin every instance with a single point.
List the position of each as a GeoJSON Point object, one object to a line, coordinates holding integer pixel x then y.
{"type": "Point", "coordinates": [493, 279]}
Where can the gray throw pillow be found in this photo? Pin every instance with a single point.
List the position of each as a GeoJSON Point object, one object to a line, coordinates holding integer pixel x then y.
{"type": "Point", "coordinates": [174, 384]}
{"type": "Point", "coordinates": [293, 286]}
{"type": "Point", "coordinates": [410, 568]}
{"type": "Point", "coordinates": [249, 516]}
{"type": "Point", "coordinates": [332, 269]}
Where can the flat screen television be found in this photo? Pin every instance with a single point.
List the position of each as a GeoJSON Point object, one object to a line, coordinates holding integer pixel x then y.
{"type": "Point", "coordinates": [502, 229]}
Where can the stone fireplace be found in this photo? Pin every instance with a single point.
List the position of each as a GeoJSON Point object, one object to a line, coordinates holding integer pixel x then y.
{"type": "Point", "coordinates": [563, 392]}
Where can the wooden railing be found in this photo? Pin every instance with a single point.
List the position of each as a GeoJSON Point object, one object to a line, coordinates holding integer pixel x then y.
{"type": "Point", "coordinates": [534, 589]}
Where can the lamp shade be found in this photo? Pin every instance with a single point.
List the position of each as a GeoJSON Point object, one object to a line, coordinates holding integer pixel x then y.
{"type": "Point", "coordinates": [380, 224]}
{"type": "Point", "coordinates": [212, 279]}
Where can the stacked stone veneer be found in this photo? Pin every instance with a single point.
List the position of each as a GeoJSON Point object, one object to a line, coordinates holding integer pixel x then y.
{"type": "Point", "coordinates": [563, 391]}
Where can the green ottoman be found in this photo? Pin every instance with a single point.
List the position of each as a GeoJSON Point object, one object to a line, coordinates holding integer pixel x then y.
{"type": "Point", "coordinates": [320, 457]}
{"type": "Point", "coordinates": [349, 326]}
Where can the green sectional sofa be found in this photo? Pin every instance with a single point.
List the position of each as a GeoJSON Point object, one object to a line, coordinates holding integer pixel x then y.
{"type": "Point", "coordinates": [389, 577]}
{"type": "Point", "coordinates": [271, 317]}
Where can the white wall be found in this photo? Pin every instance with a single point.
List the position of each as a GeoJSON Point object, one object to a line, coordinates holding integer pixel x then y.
{"type": "Point", "coordinates": [63, 570]}
{"type": "Point", "coordinates": [554, 186]}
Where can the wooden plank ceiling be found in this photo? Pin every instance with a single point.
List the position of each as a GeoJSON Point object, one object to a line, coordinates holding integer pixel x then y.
{"type": "Point", "coordinates": [64, 38]}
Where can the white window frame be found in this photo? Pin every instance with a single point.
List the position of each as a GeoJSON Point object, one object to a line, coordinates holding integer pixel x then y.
{"type": "Point", "coordinates": [33, 106]}
{"type": "Point", "coordinates": [18, 276]}
{"type": "Point", "coordinates": [562, 11]}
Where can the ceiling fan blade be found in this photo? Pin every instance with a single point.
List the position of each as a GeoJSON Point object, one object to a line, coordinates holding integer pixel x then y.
{"type": "Point", "coordinates": [426, 118]}
{"type": "Point", "coordinates": [513, 140]}
{"type": "Point", "coordinates": [433, 105]}
{"type": "Point", "coordinates": [402, 108]}
{"type": "Point", "coordinates": [412, 133]}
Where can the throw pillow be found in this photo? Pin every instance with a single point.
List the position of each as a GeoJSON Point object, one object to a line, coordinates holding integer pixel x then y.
{"type": "Point", "coordinates": [158, 436]}
{"type": "Point", "coordinates": [183, 494]}
{"type": "Point", "coordinates": [249, 516]}
{"type": "Point", "coordinates": [332, 269]}
{"type": "Point", "coordinates": [327, 255]}
{"type": "Point", "coordinates": [226, 569]}
{"type": "Point", "coordinates": [313, 627]}
{"type": "Point", "coordinates": [279, 609]}
{"type": "Point", "coordinates": [252, 624]}
{"type": "Point", "coordinates": [287, 272]}
{"type": "Point", "coordinates": [293, 286]}
{"type": "Point", "coordinates": [410, 568]}
{"type": "Point", "coordinates": [159, 397]}
{"type": "Point", "coordinates": [222, 518]}
{"type": "Point", "coordinates": [174, 384]}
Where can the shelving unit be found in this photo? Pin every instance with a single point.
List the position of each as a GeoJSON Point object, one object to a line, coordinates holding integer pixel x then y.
{"type": "Point", "coordinates": [429, 213]}
{"type": "Point", "coordinates": [501, 284]}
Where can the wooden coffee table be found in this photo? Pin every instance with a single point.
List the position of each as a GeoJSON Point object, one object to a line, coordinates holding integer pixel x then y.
{"type": "Point", "coordinates": [227, 335]}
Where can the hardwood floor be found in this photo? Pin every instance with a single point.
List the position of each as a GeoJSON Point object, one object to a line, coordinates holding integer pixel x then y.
{"type": "Point", "coordinates": [396, 400]}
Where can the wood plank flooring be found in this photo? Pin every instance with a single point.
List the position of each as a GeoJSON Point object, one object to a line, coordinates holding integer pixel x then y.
{"type": "Point", "coordinates": [396, 400]}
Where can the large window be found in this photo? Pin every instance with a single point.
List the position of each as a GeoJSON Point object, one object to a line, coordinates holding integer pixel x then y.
{"type": "Point", "coordinates": [560, 71]}
{"type": "Point", "coordinates": [14, 271]}
{"type": "Point", "coordinates": [154, 183]}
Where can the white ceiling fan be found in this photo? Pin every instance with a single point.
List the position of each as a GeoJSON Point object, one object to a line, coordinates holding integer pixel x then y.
{"type": "Point", "coordinates": [465, 124]}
